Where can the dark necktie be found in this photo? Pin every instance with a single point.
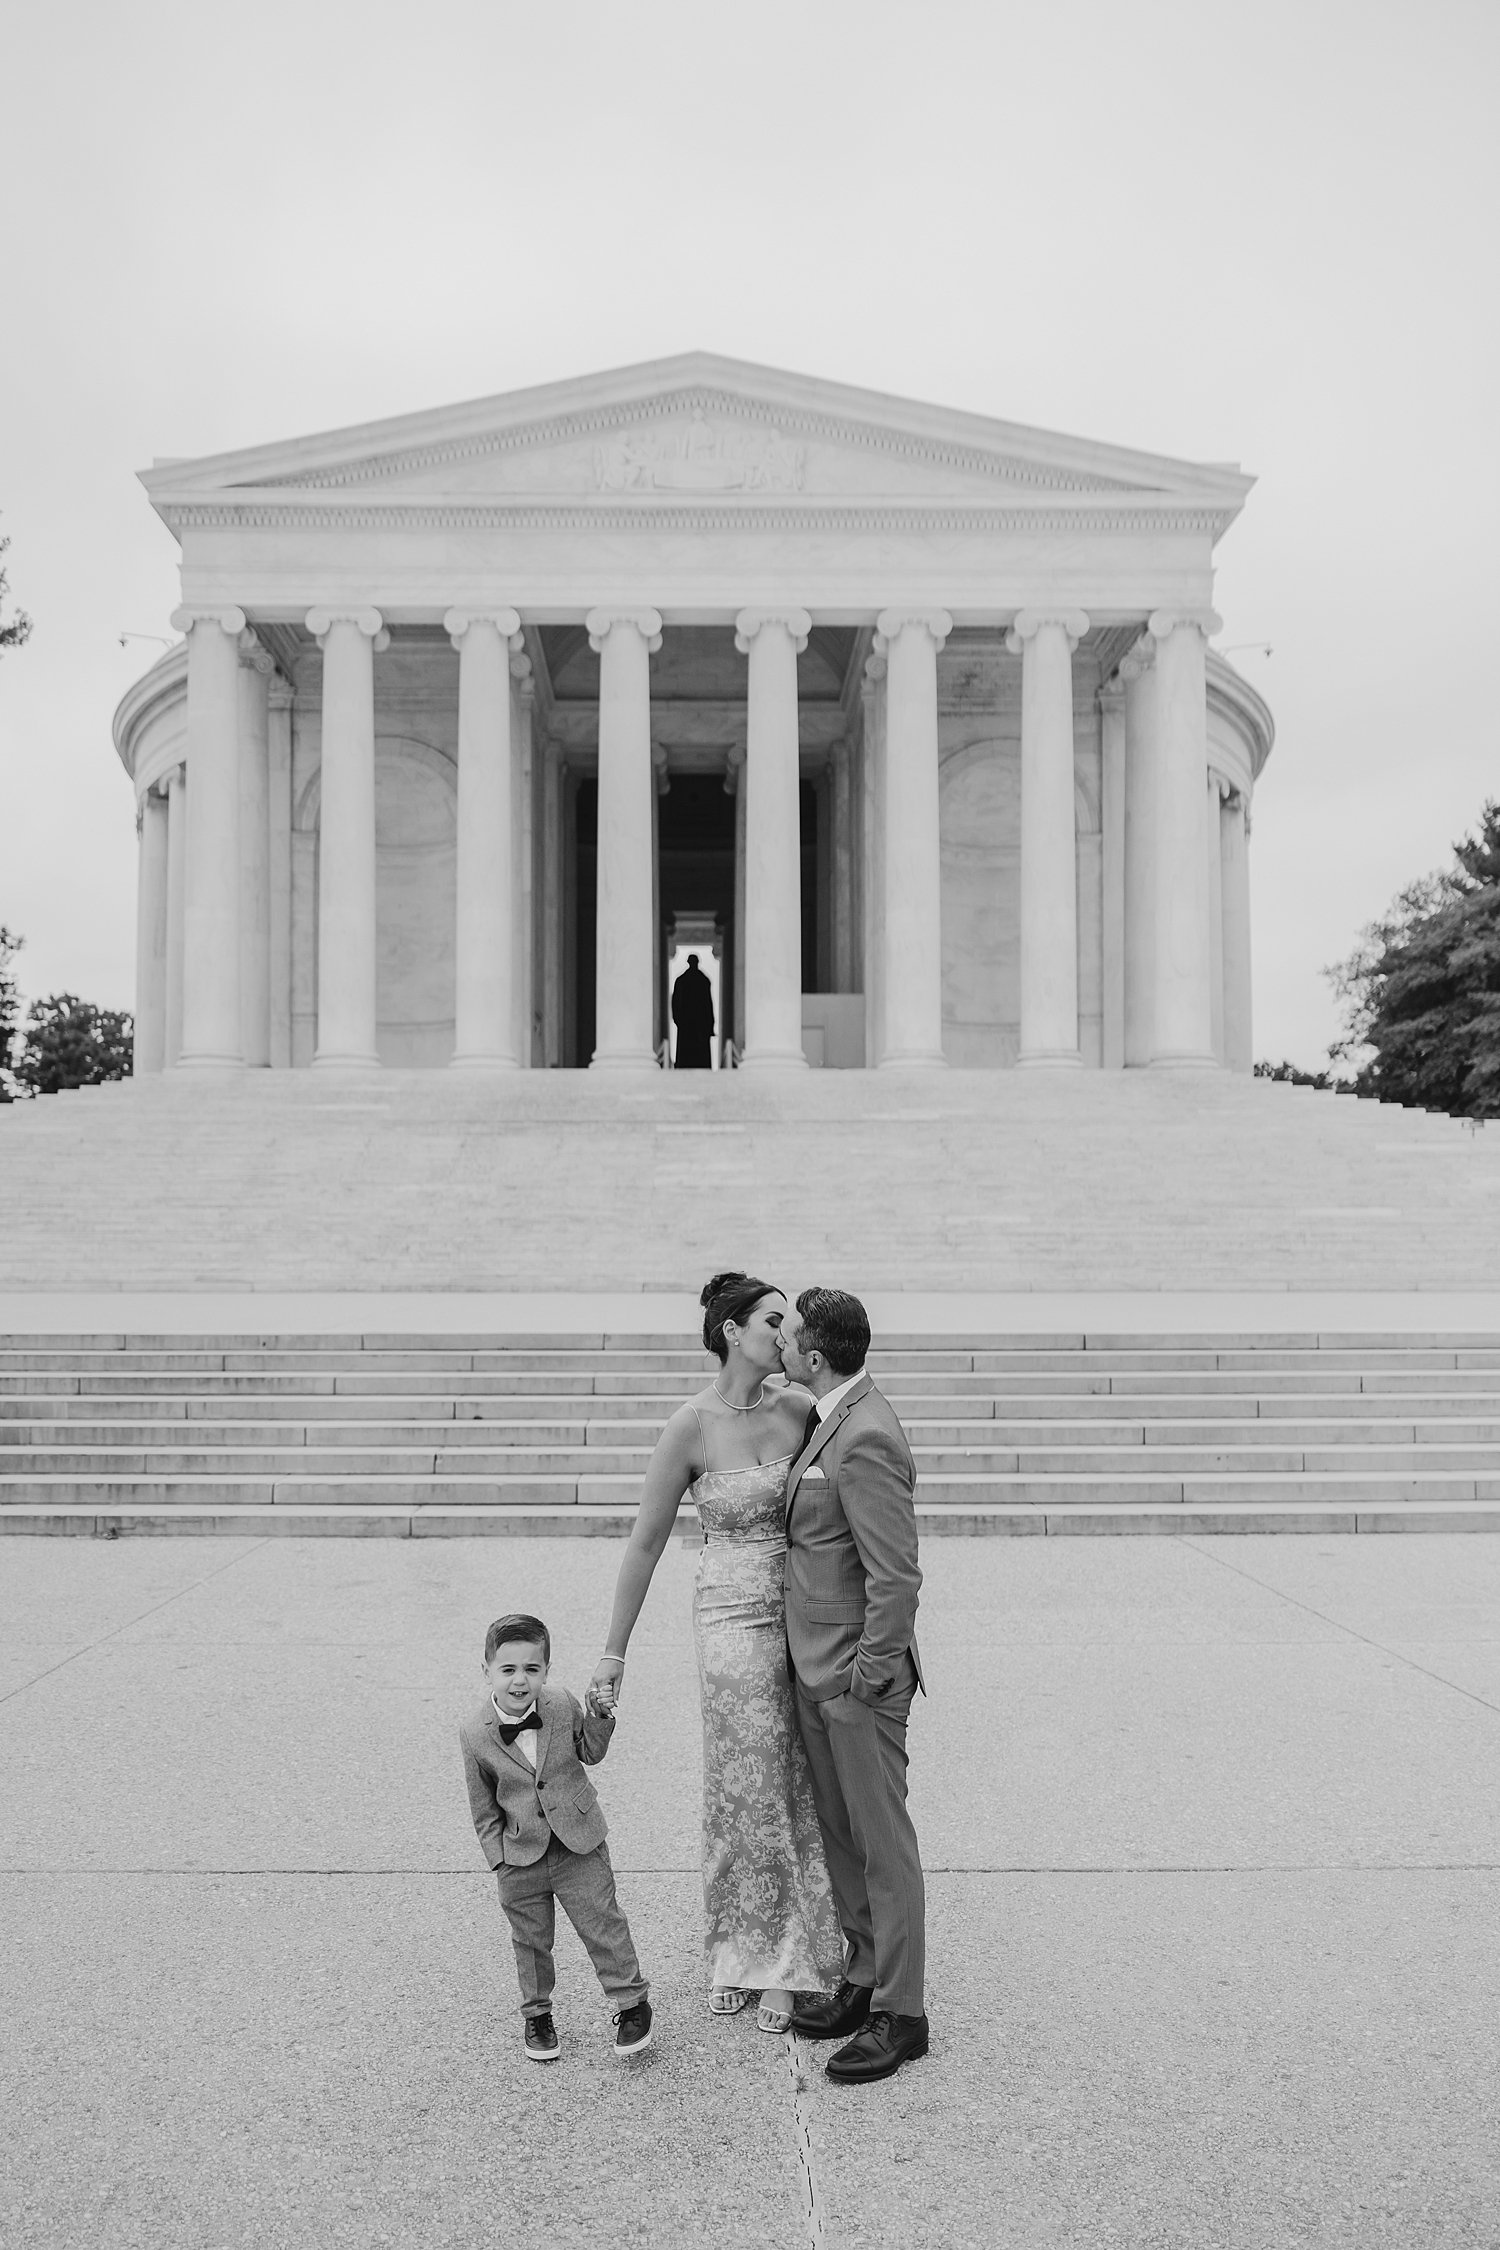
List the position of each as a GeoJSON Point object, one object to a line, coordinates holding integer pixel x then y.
{"type": "Point", "coordinates": [508, 1734]}
{"type": "Point", "coordinates": [809, 1430]}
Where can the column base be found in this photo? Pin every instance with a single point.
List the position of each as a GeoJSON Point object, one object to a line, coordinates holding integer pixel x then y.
{"type": "Point", "coordinates": [1184, 1062]}
{"type": "Point", "coordinates": [1049, 1058]}
{"type": "Point", "coordinates": [774, 1058]}
{"type": "Point", "coordinates": [346, 1062]}
{"type": "Point", "coordinates": [925, 1061]}
{"type": "Point", "coordinates": [496, 1065]}
{"type": "Point", "coordinates": [209, 1062]}
{"type": "Point", "coordinates": [632, 1063]}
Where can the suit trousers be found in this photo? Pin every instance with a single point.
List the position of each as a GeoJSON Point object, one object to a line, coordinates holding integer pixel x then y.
{"type": "Point", "coordinates": [585, 1883]}
{"type": "Point", "coordinates": [857, 1752]}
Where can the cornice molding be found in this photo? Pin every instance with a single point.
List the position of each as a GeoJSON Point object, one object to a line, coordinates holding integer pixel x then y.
{"type": "Point", "coordinates": [286, 512]}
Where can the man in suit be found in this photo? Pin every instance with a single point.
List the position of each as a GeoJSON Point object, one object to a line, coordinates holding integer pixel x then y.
{"type": "Point", "coordinates": [851, 1605]}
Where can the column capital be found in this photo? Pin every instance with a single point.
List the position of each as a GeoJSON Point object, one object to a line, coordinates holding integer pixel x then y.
{"type": "Point", "coordinates": [254, 654]}
{"type": "Point", "coordinates": [229, 619]}
{"type": "Point", "coordinates": [520, 666]}
{"type": "Point", "coordinates": [891, 622]}
{"type": "Point", "coordinates": [1161, 622]}
{"type": "Point", "coordinates": [1029, 622]}
{"type": "Point", "coordinates": [659, 769]}
{"type": "Point", "coordinates": [320, 623]}
{"type": "Point", "coordinates": [734, 766]}
{"type": "Point", "coordinates": [282, 694]}
{"type": "Point", "coordinates": [875, 671]}
{"type": "Point", "coordinates": [601, 622]}
{"type": "Point", "coordinates": [1137, 661]}
{"type": "Point", "coordinates": [1112, 692]}
{"type": "Point", "coordinates": [506, 621]}
{"type": "Point", "coordinates": [750, 622]}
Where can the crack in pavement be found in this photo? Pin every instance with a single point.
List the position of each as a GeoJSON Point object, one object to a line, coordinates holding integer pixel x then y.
{"type": "Point", "coordinates": [815, 2232]}
{"type": "Point", "coordinates": [115, 1631]}
{"type": "Point", "coordinates": [1366, 1639]}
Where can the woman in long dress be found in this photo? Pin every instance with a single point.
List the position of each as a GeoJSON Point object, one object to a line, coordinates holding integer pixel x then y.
{"type": "Point", "coordinates": [772, 1928]}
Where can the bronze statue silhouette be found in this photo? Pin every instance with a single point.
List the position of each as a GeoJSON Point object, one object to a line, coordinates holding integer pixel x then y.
{"type": "Point", "coordinates": [693, 1014]}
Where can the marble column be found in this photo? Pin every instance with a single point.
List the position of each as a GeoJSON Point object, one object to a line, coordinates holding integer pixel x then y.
{"type": "Point", "coordinates": [624, 1006]}
{"type": "Point", "coordinates": [525, 1025]}
{"type": "Point", "coordinates": [151, 936]}
{"type": "Point", "coordinates": [484, 955]}
{"type": "Point", "coordinates": [841, 798]}
{"type": "Point", "coordinates": [211, 1037]}
{"type": "Point", "coordinates": [1045, 641]}
{"type": "Point", "coordinates": [177, 820]}
{"type": "Point", "coordinates": [1211, 854]}
{"type": "Point", "coordinates": [552, 910]}
{"type": "Point", "coordinates": [909, 640]}
{"type": "Point", "coordinates": [349, 639]}
{"type": "Point", "coordinates": [734, 782]}
{"type": "Point", "coordinates": [1234, 833]}
{"type": "Point", "coordinates": [1182, 1028]}
{"type": "Point", "coordinates": [279, 865]}
{"type": "Point", "coordinates": [256, 670]}
{"type": "Point", "coordinates": [1138, 677]}
{"type": "Point", "coordinates": [773, 639]}
{"type": "Point", "coordinates": [872, 761]}
{"type": "Point", "coordinates": [1112, 826]}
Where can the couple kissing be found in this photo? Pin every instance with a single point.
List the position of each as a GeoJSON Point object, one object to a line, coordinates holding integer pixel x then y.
{"type": "Point", "coordinates": [804, 1612]}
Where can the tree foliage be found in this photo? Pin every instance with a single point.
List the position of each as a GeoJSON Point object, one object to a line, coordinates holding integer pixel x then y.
{"type": "Point", "coordinates": [1421, 990]}
{"type": "Point", "coordinates": [70, 1042]}
{"type": "Point", "coordinates": [10, 1011]}
{"type": "Point", "coordinates": [16, 630]}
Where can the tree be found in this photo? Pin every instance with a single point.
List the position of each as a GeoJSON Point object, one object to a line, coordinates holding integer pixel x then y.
{"type": "Point", "coordinates": [70, 1042]}
{"type": "Point", "coordinates": [10, 1012]}
{"type": "Point", "coordinates": [1421, 990]}
{"type": "Point", "coordinates": [19, 628]}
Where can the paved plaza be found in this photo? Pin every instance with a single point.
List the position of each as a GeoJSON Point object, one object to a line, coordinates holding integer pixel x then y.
{"type": "Point", "coordinates": [1213, 1832]}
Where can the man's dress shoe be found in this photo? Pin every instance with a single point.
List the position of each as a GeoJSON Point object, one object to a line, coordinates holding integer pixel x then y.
{"type": "Point", "coordinates": [832, 2018]}
{"type": "Point", "coordinates": [883, 2046]}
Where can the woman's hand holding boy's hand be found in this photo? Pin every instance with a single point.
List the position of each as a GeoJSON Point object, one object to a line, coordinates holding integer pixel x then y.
{"type": "Point", "coordinates": [604, 1687]}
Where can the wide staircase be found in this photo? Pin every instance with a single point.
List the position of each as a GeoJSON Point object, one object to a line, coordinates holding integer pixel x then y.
{"type": "Point", "coordinates": [574, 1181]}
{"type": "Point", "coordinates": [410, 1436]}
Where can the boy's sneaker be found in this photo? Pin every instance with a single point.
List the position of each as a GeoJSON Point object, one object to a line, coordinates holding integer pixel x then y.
{"type": "Point", "coordinates": [633, 2029]}
{"type": "Point", "coordinates": [541, 2039]}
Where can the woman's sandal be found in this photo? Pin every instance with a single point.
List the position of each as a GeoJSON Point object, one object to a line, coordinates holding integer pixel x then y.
{"type": "Point", "coordinates": [774, 2019]}
{"type": "Point", "coordinates": [726, 2000]}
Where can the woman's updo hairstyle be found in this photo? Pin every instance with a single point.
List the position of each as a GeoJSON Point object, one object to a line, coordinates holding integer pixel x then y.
{"type": "Point", "coordinates": [729, 1296]}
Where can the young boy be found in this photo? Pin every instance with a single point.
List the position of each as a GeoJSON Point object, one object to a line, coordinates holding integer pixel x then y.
{"type": "Point", "coordinates": [541, 1830]}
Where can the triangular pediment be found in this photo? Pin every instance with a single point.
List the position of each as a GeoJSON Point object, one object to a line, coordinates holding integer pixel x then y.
{"type": "Point", "coordinates": [695, 429]}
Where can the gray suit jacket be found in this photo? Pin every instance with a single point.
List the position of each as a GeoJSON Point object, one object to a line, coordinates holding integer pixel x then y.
{"type": "Point", "coordinates": [517, 1812]}
{"type": "Point", "coordinates": [851, 1559]}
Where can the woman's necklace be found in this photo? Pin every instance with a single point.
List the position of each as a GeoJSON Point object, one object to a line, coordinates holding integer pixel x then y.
{"type": "Point", "coordinates": [729, 1402]}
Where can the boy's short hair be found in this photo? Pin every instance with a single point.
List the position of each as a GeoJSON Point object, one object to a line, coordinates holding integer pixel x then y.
{"type": "Point", "coordinates": [518, 1627]}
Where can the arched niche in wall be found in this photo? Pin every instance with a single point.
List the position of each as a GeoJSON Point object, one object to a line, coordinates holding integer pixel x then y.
{"type": "Point", "coordinates": [416, 807]}
{"type": "Point", "coordinates": [980, 827]}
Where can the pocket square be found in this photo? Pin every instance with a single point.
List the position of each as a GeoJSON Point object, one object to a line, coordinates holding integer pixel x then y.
{"type": "Point", "coordinates": [815, 1470]}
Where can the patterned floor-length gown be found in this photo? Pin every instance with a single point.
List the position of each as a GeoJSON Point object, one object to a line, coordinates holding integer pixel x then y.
{"type": "Point", "coordinates": [767, 1900]}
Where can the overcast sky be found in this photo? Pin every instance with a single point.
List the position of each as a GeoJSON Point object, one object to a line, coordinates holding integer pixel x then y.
{"type": "Point", "coordinates": [1256, 232]}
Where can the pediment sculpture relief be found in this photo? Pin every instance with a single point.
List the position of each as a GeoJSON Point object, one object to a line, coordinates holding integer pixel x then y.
{"type": "Point", "coordinates": [700, 459]}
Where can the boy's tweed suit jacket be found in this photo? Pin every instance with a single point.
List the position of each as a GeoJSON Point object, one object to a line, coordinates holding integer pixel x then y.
{"type": "Point", "coordinates": [518, 1812]}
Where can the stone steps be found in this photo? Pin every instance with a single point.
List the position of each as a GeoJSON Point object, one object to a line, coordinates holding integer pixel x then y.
{"type": "Point", "coordinates": [967, 1180]}
{"type": "Point", "coordinates": [446, 1434]}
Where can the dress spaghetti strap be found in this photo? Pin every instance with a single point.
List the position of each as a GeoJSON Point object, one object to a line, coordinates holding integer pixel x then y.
{"type": "Point", "coordinates": [702, 1437]}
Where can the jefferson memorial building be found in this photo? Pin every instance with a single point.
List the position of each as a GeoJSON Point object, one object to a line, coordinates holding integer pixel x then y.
{"type": "Point", "coordinates": [905, 720]}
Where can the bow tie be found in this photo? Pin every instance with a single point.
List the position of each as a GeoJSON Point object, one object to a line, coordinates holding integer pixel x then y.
{"type": "Point", "coordinates": [532, 1719]}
